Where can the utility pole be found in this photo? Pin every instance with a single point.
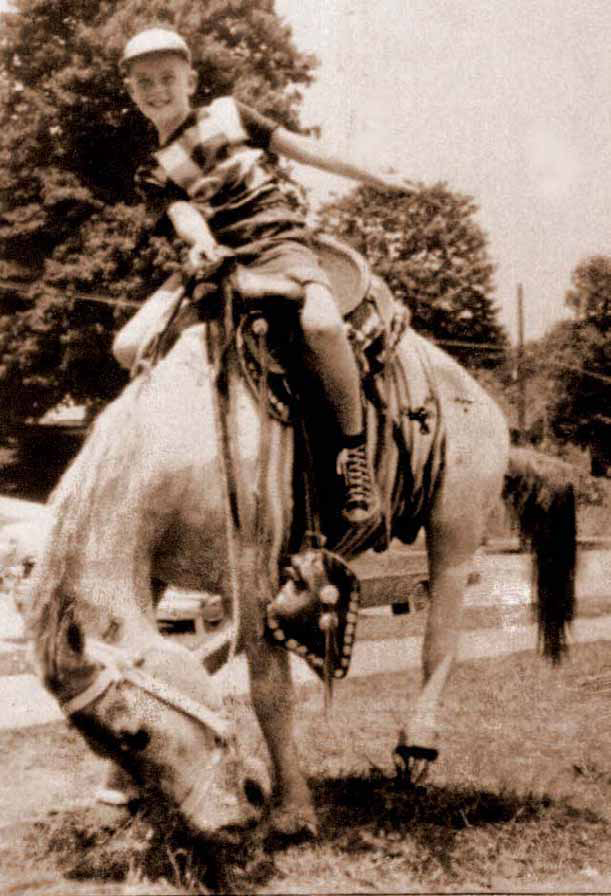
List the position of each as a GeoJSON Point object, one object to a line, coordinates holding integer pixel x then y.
{"type": "Point", "coordinates": [521, 382]}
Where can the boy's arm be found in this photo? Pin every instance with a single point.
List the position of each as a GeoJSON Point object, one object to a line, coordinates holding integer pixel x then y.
{"type": "Point", "coordinates": [311, 152]}
{"type": "Point", "coordinates": [191, 226]}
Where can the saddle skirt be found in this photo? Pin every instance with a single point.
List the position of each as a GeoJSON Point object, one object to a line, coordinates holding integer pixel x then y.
{"type": "Point", "coordinates": [405, 442]}
{"type": "Point", "coordinates": [405, 439]}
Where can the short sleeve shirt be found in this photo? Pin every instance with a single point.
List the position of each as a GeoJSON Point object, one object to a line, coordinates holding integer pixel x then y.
{"type": "Point", "coordinates": [216, 160]}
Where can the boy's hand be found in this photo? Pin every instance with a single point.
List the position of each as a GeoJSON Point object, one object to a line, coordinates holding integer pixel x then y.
{"type": "Point", "coordinates": [396, 182]}
{"type": "Point", "coordinates": [206, 258]}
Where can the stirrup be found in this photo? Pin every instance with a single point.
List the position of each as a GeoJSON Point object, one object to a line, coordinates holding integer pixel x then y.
{"type": "Point", "coordinates": [360, 501]}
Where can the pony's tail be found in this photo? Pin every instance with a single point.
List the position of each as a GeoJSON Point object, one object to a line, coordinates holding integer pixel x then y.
{"type": "Point", "coordinates": [540, 491]}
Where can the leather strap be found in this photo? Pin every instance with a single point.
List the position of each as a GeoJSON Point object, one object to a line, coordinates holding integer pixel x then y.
{"type": "Point", "coordinates": [118, 666]}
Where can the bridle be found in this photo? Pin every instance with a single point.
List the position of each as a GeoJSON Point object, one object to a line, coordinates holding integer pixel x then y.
{"type": "Point", "coordinates": [119, 666]}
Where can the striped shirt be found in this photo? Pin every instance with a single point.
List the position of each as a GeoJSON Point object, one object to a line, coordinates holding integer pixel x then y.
{"type": "Point", "coordinates": [216, 160]}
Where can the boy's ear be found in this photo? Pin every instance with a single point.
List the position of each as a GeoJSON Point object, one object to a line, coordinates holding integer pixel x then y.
{"type": "Point", "coordinates": [192, 82]}
{"type": "Point", "coordinates": [127, 83]}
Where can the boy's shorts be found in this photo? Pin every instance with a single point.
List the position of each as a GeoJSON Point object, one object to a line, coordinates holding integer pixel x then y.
{"type": "Point", "coordinates": [291, 258]}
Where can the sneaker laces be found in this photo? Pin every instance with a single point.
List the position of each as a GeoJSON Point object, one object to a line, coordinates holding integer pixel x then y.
{"type": "Point", "coordinates": [353, 467]}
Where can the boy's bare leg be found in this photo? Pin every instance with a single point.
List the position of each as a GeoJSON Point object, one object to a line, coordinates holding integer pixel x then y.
{"type": "Point", "coordinates": [332, 357]}
{"type": "Point", "coordinates": [147, 322]}
{"type": "Point", "coordinates": [333, 362]}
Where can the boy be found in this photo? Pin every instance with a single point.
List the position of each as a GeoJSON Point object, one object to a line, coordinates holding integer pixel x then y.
{"type": "Point", "coordinates": [208, 180]}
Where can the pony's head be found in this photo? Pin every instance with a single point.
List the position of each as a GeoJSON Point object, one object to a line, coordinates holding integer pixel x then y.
{"type": "Point", "coordinates": [157, 714]}
{"type": "Point", "coordinates": [145, 472]}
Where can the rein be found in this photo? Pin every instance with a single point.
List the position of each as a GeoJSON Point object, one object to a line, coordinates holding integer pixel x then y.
{"type": "Point", "coordinates": [119, 666]}
{"type": "Point", "coordinates": [217, 342]}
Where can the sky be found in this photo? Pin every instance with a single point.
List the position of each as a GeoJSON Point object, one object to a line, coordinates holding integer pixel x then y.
{"type": "Point", "coordinates": [506, 100]}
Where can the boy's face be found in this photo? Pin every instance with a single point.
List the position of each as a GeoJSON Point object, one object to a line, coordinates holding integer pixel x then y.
{"type": "Point", "coordinates": [161, 85]}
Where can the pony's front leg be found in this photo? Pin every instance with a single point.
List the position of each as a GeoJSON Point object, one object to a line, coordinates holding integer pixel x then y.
{"type": "Point", "coordinates": [273, 699]}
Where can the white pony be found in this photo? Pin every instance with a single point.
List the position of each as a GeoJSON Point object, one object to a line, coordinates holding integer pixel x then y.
{"type": "Point", "coordinates": [144, 501]}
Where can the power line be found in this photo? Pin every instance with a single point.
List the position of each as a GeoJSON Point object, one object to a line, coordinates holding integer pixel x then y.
{"type": "Point", "coordinates": [488, 347]}
{"type": "Point", "coordinates": [11, 286]}
{"type": "Point", "coordinates": [456, 343]}
{"type": "Point", "coordinates": [577, 369]}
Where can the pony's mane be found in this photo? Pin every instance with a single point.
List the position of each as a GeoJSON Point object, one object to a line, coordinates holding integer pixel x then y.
{"type": "Point", "coordinates": [109, 480]}
{"type": "Point", "coordinates": [113, 440]}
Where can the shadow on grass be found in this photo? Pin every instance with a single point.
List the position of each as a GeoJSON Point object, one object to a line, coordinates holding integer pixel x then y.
{"type": "Point", "coordinates": [98, 846]}
{"type": "Point", "coordinates": [443, 826]}
{"type": "Point", "coordinates": [359, 816]}
{"type": "Point", "coordinates": [384, 802]}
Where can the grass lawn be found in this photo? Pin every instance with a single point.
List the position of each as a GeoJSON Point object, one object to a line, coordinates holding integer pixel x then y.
{"type": "Point", "coordinates": [519, 799]}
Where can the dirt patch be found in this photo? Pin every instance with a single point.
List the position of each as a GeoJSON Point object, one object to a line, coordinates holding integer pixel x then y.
{"type": "Point", "coordinates": [518, 800]}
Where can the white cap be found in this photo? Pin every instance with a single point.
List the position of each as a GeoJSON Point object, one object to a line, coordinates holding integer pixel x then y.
{"type": "Point", "coordinates": [154, 40]}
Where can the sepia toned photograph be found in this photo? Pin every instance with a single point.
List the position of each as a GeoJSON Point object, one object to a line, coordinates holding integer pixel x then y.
{"type": "Point", "coordinates": [305, 447]}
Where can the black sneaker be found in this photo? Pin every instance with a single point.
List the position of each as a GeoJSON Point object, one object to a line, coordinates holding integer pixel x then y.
{"type": "Point", "coordinates": [360, 497]}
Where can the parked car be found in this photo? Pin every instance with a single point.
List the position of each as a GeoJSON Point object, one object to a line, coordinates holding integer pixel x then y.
{"type": "Point", "coordinates": [185, 609]}
{"type": "Point", "coordinates": [20, 544]}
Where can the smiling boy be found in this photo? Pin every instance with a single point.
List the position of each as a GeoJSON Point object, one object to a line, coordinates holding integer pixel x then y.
{"type": "Point", "coordinates": [208, 178]}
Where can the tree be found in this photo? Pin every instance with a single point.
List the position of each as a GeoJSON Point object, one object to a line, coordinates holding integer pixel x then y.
{"type": "Point", "coordinates": [580, 405]}
{"type": "Point", "coordinates": [433, 254]}
{"type": "Point", "coordinates": [70, 140]}
{"type": "Point", "coordinates": [590, 295]}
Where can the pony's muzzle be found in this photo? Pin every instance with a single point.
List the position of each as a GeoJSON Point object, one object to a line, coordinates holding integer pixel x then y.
{"type": "Point", "coordinates": [222, 805]}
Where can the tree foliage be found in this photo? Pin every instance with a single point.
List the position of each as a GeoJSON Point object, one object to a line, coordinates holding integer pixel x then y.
{"type": "Point", "coordinates": [70, 140]}
{"type": "Point", "coordinates": [580, 405]}
{"type": "Point", "coordinates": [570, 366]}
{"type": "Point", "coordinates": [590, 294]}
{"type": "Point", "coordinates": [433, 254]}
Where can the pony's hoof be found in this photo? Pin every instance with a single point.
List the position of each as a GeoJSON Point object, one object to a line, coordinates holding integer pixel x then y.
{"type": "Point", "coordinates": [112, 796]}
{"type": "Point", "coordinates": [413, 763]}
{"type": "Point", "coordinates": [287, 822]}
{"type": "Point", "coordinates": [117, 789]}
{"type": "Point", "coordinates": [112, 817]}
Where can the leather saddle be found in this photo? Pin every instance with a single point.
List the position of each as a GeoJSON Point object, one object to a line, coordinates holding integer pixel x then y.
{"type": "Point", "coordinates": [348, 272]}
{"type": "Point", "coordinates": [374, 319]}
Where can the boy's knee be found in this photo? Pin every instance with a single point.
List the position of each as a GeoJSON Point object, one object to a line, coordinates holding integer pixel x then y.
{"type": "Point", "coordinates": [320, 316]}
